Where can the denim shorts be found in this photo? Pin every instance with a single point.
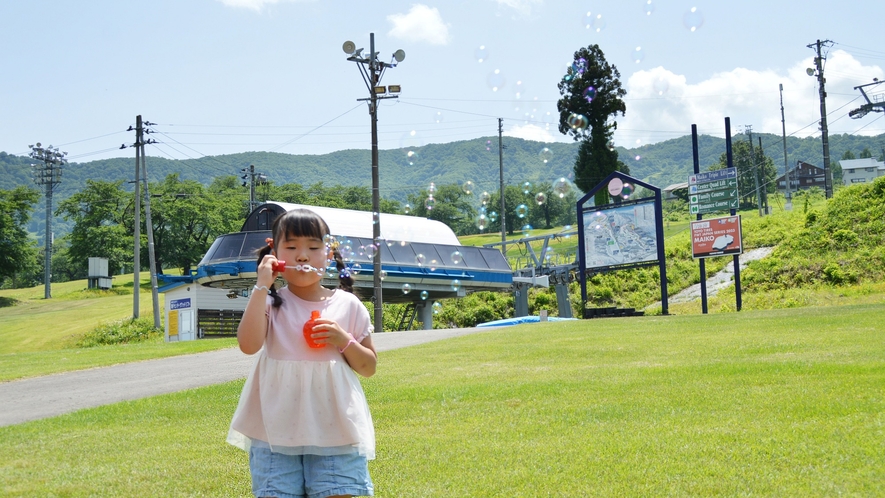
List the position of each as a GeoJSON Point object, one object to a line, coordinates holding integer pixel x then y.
{"type": "Point", "coordinates": [308, 476]}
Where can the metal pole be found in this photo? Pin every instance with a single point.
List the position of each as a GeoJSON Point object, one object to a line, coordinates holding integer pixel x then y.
{"type": "Point", "coordinates": [789, 203]}
{"type": "Point", "coordinates": [150, 233]}
{"type": "Point", "coordinates": [251, 187]}
{"type": "Point", "coordinates": [824, 134]}
{"type": "Point", "coordinates": [501, 180]}
{"type": "Point", "coordinates": [376, 196]}
{"type": "Point", "coordinates": [136, 267]}
{"type": "Point", "coordinates": [47, 238]}
{"type": "Point", "coordinates": [736, 259]}
{"type": "Point", "coordinates": [697, 169]}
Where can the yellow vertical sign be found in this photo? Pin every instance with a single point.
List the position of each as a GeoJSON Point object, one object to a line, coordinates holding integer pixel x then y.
{"type": "Point", "coordinates": [173, 323]}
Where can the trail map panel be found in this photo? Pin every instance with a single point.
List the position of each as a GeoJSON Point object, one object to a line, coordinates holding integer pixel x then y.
{"type": "Point", "coordinates": [622, 235]}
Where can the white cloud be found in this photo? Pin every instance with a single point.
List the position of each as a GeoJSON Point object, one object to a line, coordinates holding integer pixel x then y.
{"type": "Point", "coordinates": [523, 7]}
{"type": "Point", "coordinates": [420, 24]}
{"type": "Point", "coordinates": [662, 105]}
{"type": "Point", "coordinates": [255, 5]}
{"type": "Point", "coordinates": [530, 132]}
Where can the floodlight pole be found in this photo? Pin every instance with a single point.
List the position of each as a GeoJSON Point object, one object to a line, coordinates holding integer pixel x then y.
{"type": "Point", "coordinates": [372, 70]}
{"type": "Point", "coordinates": [47, 175]}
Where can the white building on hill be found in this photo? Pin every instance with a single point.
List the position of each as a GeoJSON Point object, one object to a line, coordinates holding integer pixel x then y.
{"type": "Point", "coordinates": [861, 170]}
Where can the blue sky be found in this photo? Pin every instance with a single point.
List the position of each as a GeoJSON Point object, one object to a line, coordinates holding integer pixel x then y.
{"type": "Point", "coordinates": [228, 76]}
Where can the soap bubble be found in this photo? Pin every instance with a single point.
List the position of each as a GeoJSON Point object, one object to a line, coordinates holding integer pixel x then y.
{"type": "Point", "coordinates": [407, 208]}
{"type": "Point", "coordinates": [496, 80]}
{"type": "Point", "coordinates": [433, 264]}
{"type": "Point", "coordinates": [424, 295]}
{"type": "Point", "coordinates": [437, 307]}
{"type": "Point", "coordinates": [526, 230]}
{"type": "Point", "coordinates": [546, 155]}
{"type": "Point", "coordinates": [346, 250]}
{"type": "Point", "coordinates": [493, 216]}
{"type": "Point", "coordinates": [610, 145]}
{"type": "Point", "coordinates": [488, 145]}
{"type": "Point", "coordinates": [406, 288]}
{"type": "Point", "coordinates": [420, 259]}
{"type": "Point", "coordinates": [648, 8]}
{"type": "Point", "coordinates": [411, 156]}
{"type": "Point", "coordinates": [693, 19]}
{"type": "Point", "coordinates": [329, 240]}
{"type": "Point", "coordinates": [598, 220]}
{"type": "Point", "coordinates": [456, 284]}
{"type": "Point", "coordinates": [468, 187]}
{"type": "Point", "coordinates": [594, 22]}
{"type": "Point", "coordinates": [526, 188]}
{"type": "Point", "coordinates": [431, 189]}
{"type": "Point", "coordinates": [429, 203]}
{"type": "Point", "coordinates": [484, 198]}
{"type": "Point", "coordinates": [481, 54]}
{"type": "Point", "coordinates": [638, 55]}
{"type": "Point", "coordinates": [661, 85]}
{"type": "Point", "coordinates": [521, 211]}
{"type": "Point", "coordinates": [627, 191]}
{"type": "Point", "coordinates": [541, 198]}
{"type": "Point", "coordinates": [456, 257]}
{"type": "Point", "coordinates": [589, 93]}
{"type": "Point", "coordinates": [638, 157]}
{"type": "Point", "coordinates": [577, 121]}
{"type": "Point", "coordinates": [383, 274]}
{"type": "Point", "coordinates": [438, 117]}
{"type": "Point", "coordinates": [561, 187]}
{"type": "Point", "coordinates": [356, 268]}
{"type": "Point", "coordinates": [482, 222]}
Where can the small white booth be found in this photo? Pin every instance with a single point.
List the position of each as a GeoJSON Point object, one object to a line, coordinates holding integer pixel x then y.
{"type": "Point", "coordinates": [194, 311]}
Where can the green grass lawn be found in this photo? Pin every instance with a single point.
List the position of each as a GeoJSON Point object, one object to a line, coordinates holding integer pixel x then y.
{"type": "Point", "coordinates": [763, 403]}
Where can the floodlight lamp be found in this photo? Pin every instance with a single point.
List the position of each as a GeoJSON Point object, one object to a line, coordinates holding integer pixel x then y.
{"type": "Point", "coordinates": [349, 47]}
{"type": "Point", "coordinates": [379, 89]}
{"type": "Point", "coordinates": [399, 55]}
{"type": "Point", "coordinates": [358, 52]}
{"type": "Point", "coordinates": [394, 88]}
{"type": "Point", "coordinates": [809, 72]}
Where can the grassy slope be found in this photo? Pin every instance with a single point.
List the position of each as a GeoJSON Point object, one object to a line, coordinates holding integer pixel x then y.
{"type": "Point", "coordinates": [37, 335]}
{"type": "Point", "coordinates": [778, 403]}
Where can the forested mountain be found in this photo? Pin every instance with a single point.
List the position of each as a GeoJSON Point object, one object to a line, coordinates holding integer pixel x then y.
{"type": "Point", "coordinates": [402, 173]}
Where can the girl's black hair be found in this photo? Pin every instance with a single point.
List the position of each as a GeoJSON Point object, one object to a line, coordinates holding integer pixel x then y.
{"type": "Point", "coordinates": [303, 223]}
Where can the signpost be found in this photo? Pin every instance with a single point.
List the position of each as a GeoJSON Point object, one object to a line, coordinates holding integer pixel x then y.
{"type": "Point", "coordinates": [716, 237]}
{"type": "Point", "coordinates": [713, 191]}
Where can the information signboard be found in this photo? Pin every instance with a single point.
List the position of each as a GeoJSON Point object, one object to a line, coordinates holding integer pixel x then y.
{"type": "Point", "coordinates": [713, 191]}
{"type": "Point", "coordinates": [716, 237]}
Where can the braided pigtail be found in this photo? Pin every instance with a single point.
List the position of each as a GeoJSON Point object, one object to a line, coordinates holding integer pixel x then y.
{"type": "Point", "coordinates": [345, 279]}
{"type": "Point", "coordinates": [272, 291]}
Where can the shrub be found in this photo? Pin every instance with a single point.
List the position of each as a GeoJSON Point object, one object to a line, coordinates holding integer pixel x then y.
{"type": "Point", "coordinates": [127, 331]}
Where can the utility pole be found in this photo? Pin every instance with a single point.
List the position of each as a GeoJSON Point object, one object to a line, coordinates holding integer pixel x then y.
{"type": "Point", "coordinates": [136, 251]}
{"type": "Point", "coordinates": [150, 232]}
{"type": "Point", "coordinates": [762, 179]}
{"type": "Point", "coordinates": [372, 70]}
{"type": "Point", "coordinates": [141, 176]}
{"type": "Point", "coordinates": [749, 130]}
{"type": "Point", "coordinates": [501, 180]}
{"type": "Point", "coordinates": [251, 176]}
{"type": "Point", "coordinates": [48, 175]}
{"type": "Point", "coordinates": [789, 202]}
{"type": "Point", "coordinates": [818, 62]}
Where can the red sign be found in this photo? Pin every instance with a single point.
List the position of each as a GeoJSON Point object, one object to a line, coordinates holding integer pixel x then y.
{"type": "Point", "coordinates": [716, 237]}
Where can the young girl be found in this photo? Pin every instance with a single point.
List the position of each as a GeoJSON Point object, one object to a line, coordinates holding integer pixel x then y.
{"type": "Point", "coordinates": [302, 415]}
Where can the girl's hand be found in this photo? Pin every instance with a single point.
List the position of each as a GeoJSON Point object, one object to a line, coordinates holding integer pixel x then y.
{"type": "Point", "coordinates": [266, 273]}
{"type": "Point", "coordinates": [329, 332]}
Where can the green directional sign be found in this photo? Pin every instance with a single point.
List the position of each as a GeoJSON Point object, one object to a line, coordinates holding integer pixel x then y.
{"type": "Point", "coordinates": [725, 183]}
{"type": "Point", "coordinates": [715, 195]}
{"type": "Point", "coordinates": [704, 207]}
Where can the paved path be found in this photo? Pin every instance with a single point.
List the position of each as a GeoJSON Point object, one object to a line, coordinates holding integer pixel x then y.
{"type": "Point", "coordinates": [52, 395]}
{"type": "Point", "coordinates": [717, 282]}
